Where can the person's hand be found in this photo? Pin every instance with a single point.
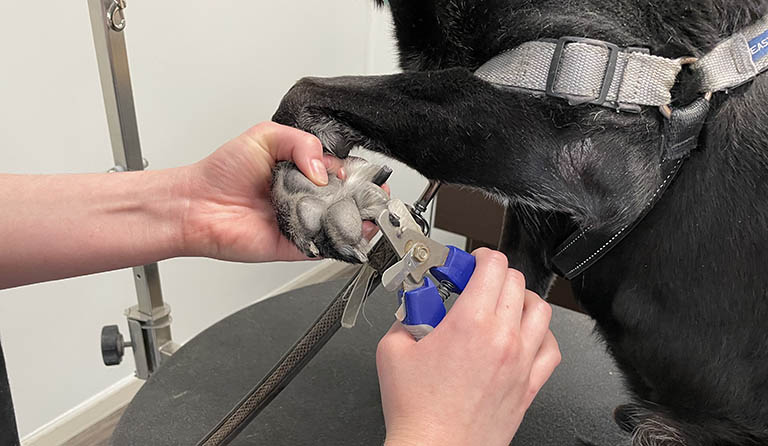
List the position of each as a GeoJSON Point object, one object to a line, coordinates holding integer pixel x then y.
{"type": "Point", "coordinates": [470, 381]}
{"type": "Point", "coordinates": [229, 215]}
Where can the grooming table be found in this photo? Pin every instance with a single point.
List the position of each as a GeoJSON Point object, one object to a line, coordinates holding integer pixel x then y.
{"type": "Point", "coordinates": [335, 399]}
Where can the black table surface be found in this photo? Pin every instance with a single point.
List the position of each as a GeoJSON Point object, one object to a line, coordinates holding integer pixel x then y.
{"type": "Point", "coordinates": [335, 399]}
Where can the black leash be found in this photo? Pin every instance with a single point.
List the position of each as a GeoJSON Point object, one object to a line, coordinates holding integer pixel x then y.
{"type": "Point", "coordinates": [381, 257]}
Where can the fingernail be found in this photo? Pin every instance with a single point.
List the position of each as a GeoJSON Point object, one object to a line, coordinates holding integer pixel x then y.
{"type": "Point", "coordinates": [319, 173]}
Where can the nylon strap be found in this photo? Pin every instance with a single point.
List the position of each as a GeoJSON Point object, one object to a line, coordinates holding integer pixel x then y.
{"type": "Point", "coordinates": [593, 71]}
{"type": "Point", "coordinates": [737, 60]}
{"type": "Point", "coordinates": [585, 247]}
{"type": "Point", "coordinates": [584, 68]}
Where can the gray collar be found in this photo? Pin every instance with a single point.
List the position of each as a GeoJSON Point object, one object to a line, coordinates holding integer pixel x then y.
{"type": "Point", "coordinates": [592, 71]}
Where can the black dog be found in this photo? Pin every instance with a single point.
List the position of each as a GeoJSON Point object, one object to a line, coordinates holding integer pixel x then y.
{"type": "Point", "coordinates": [680, 302]}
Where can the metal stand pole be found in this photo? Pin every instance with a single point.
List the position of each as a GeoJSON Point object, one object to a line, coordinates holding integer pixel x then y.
{"type": "Point", "coordinates": [149, 321]}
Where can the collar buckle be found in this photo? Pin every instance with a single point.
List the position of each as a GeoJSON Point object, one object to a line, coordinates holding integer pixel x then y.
{"type": "Point", "coordinates": [610, 71]}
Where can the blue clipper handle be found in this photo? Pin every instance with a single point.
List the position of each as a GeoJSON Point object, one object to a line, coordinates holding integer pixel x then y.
{"type": "Point", "coordinates": [457, 270]}
{"type": "Point", "coordinates": [424, 309]}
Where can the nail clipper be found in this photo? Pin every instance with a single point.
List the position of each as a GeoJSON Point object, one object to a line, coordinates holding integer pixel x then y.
{"type": "Point", "coordinates": [415, 256]}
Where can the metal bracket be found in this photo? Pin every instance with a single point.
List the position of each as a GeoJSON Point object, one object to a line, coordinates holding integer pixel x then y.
{"type": "Point", "coordinates": [149, 321]}
{"type": "Point", "coordinates": [116, 16]}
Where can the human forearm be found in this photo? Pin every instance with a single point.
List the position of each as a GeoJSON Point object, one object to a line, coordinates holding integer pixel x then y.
{"type": "Point", "coordinates": [57, 226]}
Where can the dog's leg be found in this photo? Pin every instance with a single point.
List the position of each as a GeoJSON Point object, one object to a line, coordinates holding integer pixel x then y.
{"type": "Point", "coordinates": [448, 125]}
{"type": "Point", "coordinates": [454, 127]}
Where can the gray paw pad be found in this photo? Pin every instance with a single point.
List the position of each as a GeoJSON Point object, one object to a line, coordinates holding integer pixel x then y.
{"type": "Point", "coordinates": [327, 221]}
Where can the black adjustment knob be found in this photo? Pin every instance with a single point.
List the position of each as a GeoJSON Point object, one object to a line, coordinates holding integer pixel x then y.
{"type": "Point", "coordinates": [112, 345]}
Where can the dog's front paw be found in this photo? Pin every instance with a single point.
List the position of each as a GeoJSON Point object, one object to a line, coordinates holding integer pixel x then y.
{"type": "Point", "coordinates": [327, 221]}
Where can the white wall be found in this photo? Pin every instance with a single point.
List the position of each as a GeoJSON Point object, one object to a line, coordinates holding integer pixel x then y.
{"type": "Point", "coordinates": [203, 71]}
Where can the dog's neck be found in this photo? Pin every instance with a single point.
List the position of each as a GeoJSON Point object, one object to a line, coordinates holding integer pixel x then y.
{"type": "Point", "coordinates": [709, 232]}
{"type": "Point", "coordinates": [726, 175]}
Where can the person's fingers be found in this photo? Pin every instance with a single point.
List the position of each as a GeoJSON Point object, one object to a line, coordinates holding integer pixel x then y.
{"type": "Point", "coordinates": [510, 304]}
{"type": "Point", "coordinates": [547, 358]}
{"type": "Point", "coordinates": [535, 322]}
{"type": "Point", "coordinates": [482, 290]}
{"type": "Point", "coordinates": [289, 144]}
{"type": "Point", "coordinates": [393, 341]}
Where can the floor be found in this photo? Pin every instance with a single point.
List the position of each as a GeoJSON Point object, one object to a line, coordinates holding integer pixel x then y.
{"type": "Point", "coordinates": [98, 434]}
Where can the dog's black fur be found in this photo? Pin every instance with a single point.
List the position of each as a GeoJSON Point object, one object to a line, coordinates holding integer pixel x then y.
{"type": "Point", "coordinates": [681, 302]}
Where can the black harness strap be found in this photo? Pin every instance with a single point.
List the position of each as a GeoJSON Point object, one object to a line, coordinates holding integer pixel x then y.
{"type": "Point", "coordinates": [588, 245]}
{"type": "Point", "coordinates": [585, 247]}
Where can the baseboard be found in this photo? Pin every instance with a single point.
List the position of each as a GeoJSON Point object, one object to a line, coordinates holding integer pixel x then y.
{"type": "Point", "coordinates": [81, 417]}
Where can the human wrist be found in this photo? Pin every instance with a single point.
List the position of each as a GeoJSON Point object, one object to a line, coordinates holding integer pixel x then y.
{"type": "Point", "coordinates": [164, 199]}
{"type": "Point", "coordinates": [189, 237]}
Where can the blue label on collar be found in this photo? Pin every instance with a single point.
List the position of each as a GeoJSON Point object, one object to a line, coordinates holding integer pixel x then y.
{"type": "Point", "coordinates": [759, 46]}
